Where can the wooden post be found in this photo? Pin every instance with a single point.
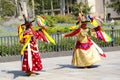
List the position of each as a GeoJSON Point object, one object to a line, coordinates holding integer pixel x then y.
{"type": "Point", "coordinates": [58, 41]}
{"type": "Point", "coordinates": [112, 35]}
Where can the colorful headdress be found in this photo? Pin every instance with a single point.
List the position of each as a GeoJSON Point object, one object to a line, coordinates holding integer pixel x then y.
{"type": "Point", "coordinates": [40, 20]}
{"type": "Point", "coordinates": [95, 21]}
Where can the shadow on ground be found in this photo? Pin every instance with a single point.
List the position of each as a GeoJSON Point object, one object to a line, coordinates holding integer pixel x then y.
{"type": "Point", "coordinates": [74, 67]}
{"type": "Point", "coordinates": [17, 73]}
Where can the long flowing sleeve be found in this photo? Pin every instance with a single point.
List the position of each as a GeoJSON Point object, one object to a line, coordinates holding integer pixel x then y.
{"type": "Point", "coordinates": [40, 36]}
{"type": "Point", "coordinates": [20, 34]}
{"type": "Point", "coordinates": [73, 33]}
{"type": "Point", "coordinates": [43, 35]}
{"type": "Point", "coordinates": [100, 34]}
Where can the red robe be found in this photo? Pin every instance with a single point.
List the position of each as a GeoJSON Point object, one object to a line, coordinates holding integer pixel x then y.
{"type": "Point", "coordinates": [31, 60]}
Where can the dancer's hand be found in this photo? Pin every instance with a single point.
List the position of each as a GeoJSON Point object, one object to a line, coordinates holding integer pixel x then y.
{"type": "Point", "coordinates": [63, 35]}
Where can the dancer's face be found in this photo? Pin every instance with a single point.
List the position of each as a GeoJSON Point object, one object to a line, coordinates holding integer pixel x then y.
{"type": "Point", "coordinates": [81, 17]}
{"type": "Point", "coordinates": [83, 25]}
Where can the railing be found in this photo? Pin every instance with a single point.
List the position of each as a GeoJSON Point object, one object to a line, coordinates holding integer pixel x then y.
{"type": "Point", "coordinates": [10, 45]}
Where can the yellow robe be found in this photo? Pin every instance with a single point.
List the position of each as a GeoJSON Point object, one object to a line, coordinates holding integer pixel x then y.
{"type": "Point", "coordinates": [81, 57]}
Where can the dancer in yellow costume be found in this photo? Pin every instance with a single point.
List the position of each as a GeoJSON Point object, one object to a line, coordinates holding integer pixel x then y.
{"type": "Point", "coordinates": [85, 52]}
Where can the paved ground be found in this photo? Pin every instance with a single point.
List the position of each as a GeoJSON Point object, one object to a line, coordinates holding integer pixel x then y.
{"type": "Point", "coordinates": [60, 68]}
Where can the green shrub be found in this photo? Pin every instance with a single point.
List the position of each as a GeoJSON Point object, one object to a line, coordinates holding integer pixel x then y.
{"type": "Point", "coordinates": [67, 43]}
{"type": "Point", "coordinates": [1, 19]}
{"type": "Point", "coordinates": [10, 49]}
{"type": "Point", "coordinates": [117, 22]}
{"type": "Point", "coordinates": [53, 30]}
{"type": "Point", "coordinates": [65, 19]}
{"type": "Point", "coordinates": [52, 20]}
{"type": "Point", "coordinates": [11, 46]}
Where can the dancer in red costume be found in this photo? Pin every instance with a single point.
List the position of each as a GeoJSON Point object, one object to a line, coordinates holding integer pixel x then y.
{"type": "Point", "coordinates": [31, 61]}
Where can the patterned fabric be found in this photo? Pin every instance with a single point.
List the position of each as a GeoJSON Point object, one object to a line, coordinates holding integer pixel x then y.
{"type": "Point", "coordinates": [36, 62]}
{"type": "Point", "coordinates": [31, 59]}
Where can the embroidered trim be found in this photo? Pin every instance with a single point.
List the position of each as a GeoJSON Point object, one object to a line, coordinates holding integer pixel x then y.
{"type": "Point", "coordinates": [83, 46]}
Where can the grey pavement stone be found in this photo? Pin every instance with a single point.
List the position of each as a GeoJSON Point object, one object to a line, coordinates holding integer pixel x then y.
{"type": "Point", "coordinates": [60, 68]}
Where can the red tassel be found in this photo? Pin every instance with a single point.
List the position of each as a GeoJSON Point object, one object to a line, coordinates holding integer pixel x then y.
{"type": "Point", "coordinates": [103, 55]}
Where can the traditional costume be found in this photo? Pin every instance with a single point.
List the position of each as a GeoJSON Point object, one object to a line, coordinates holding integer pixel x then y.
{"type": "Point", "coordinates": [31, 61]}
{"type": "Point", "coordinates": [86, 52]}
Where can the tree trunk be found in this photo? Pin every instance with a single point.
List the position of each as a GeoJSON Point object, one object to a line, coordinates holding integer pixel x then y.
{"type": "Point", "coordinates": [0, 8]}
{"type": "Point", "coordinates": [17, 11]}
{"type": "Point", "coordinates": [62, 5]}
{"type": "Point", "coordinates": [24, 10]}
{"type": "Point", "coordinates": [67, 6]}
{"type": "Point", "coordinates": [43, 7]}
{"type": "Point", "coordinates": [33, 8]}
{"type": "Point", "coordinates": [52, 12]}
{"type": "Point", "coordinates": [104, 6]}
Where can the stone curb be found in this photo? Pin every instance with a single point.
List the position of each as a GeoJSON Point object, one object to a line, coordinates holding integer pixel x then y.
{"type": "Point", "coordinates": [54, 54]}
